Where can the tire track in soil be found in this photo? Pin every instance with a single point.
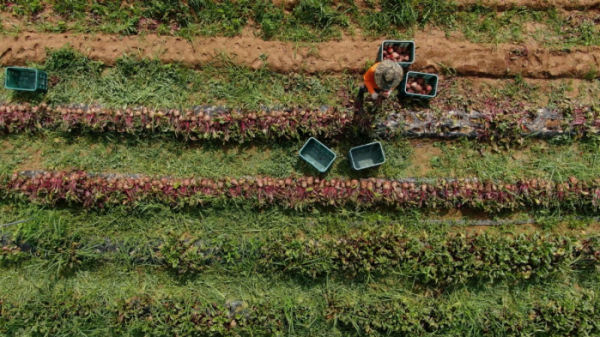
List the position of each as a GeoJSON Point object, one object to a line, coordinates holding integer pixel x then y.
{"type": "Point", "coordinates": [434, 53]}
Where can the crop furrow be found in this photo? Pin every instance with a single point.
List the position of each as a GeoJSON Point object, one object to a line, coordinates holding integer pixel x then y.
{"type": "Point", "coordinates": [103, 191]}
{"type": "Point", "coordinates": [436, 53]}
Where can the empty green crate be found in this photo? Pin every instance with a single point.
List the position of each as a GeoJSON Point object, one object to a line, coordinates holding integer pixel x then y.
{"type": "Point", "coordinates": [411, 51]}
{"type": "Point", "coordinates": [317, 155]}
{"type": "Point", "coordinates": [431, 79]}
{"type": "Point", "coordinates": [25, 79]}
{"type": "Point", "coordinates": [365, 156]}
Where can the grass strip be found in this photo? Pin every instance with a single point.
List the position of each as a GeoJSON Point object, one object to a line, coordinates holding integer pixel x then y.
{"type": "Point", "coordinates": [307, 21]}
{"type": "Point", "coordinates": [74, 77]}
{"type": "Point", "coordinates": [162, 155]}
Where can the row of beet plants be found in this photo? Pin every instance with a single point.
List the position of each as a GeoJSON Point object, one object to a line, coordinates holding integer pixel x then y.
{"type": "Point", "coordinates": [102, 191]}
{"type": "Point", "coordinates": [196, 123]}
{"type": "Point", "coordinates": [498, 121]}
{"type": "Point", "coordinates": [432, 259]}
{"type": "Point", "coordinates": [571, 313]}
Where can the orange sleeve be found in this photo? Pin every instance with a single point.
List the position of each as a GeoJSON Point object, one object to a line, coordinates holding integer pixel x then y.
{"type": "Point", "coordinates": [370, 79]}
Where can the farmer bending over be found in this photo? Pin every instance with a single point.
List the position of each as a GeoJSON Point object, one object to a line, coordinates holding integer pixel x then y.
{"type": "Point", "coordinates": [380, 81]}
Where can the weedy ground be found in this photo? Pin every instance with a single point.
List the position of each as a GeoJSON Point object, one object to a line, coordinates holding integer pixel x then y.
{"type": "Point", "coordinates": [330, 305]}
{"type": "Point", "coordinates": [305, 304]}
{"type": "Point", "coordinates": [111, 285]}
{"type": "Point", "coordinates": [308, 21]}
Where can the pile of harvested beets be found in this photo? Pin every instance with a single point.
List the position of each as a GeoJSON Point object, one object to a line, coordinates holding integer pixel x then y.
{"type": "Point", "coordinates": [418, 85]}
{"type": "Point", "coordinates": [396, 53]}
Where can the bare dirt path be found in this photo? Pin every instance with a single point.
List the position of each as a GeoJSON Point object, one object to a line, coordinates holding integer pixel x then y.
{"type": "Point", "coordinates": [435, 53]}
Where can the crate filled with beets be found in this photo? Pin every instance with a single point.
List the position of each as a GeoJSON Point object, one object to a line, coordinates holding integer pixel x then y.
{"type": "Point", "coordinates": [402, 52]}
{"type": "Point", "coordinates": [419, 85]}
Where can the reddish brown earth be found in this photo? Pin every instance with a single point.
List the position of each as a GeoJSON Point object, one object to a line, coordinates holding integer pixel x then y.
{"type": "Point", "coordinates": [434, 53]}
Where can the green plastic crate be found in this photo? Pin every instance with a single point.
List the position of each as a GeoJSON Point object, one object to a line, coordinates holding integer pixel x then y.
{"type": "Point", "coordinates": [25, 79]}
{"type": "Point", "coordinates": [366, 156]}
{"type": "Point", "coordinates": [317, 155]}
{"type": "Point", "coordinates": [411, 51]}
{"type": "Point", "coordinates": [431, 79]}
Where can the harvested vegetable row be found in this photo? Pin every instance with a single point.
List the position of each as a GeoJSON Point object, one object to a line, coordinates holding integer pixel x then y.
{"type": "Point", "coordinates": [101, 191]}
{"type": "Point", "coordinates": [497, 122]}
{"type": "Point", "coordinates": [196, 123]}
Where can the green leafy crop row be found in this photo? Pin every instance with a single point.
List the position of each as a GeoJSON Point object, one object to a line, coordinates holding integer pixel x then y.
{"type": "Point", "coordinates": [567, 314]}
{"type": "Point", "coordinates": [571, 313]}
{"type": "Point", "coordinates": [144, 316]}
{"type": "Point", "coordinates": [433, 259]}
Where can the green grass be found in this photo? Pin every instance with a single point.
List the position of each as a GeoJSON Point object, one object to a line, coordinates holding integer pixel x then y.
{"type": "Point", "coordinates": [313, 20]}
{"type": "Point", "coordinates": [76, 79]}
{"type": "Point", "coordinates": [308, 21]}
{"type": "Point", "coordinates": [540, 160]}
{"type": "Point", "coordinates": [303, 306]}
{"type": "Point", "coordinates": [107, 285]}
{"type": "Point", "coordinates": [152, 221]}
{"type": "Point", "coordinates": [161, 156]}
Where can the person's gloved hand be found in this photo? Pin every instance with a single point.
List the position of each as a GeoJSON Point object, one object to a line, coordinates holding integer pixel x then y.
{"type": "Point", "coordinates": [375, 96]}
{"type": "Point", "coordinates": [386, 94]}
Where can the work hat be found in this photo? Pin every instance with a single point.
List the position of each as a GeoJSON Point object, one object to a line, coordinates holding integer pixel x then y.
{"type": "Point", "coordinates": [388, 75]}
